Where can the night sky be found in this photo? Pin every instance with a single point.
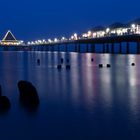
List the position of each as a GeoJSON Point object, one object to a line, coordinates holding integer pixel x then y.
{"type": "Point", "coordinates": [35, 19]}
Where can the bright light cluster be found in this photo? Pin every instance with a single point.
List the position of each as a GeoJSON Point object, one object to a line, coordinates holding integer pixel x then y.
{"type": "Point", "coordinates": [108, 32]}
{"type": "Point", "coordinates": [133, 29]}
{"type": "Point", "coordinates": [48, 41]}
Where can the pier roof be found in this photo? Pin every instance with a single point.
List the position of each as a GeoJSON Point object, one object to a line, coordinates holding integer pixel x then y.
{"type": "Point", "coordinates": [9, 37]}
{"type": "Point", "coordinates": [136, 21]}
{"type": "Point", "coordinates": [117, 25]}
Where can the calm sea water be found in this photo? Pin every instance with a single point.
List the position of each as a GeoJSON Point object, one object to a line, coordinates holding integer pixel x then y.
{"type": "Point", "coordinates": [83, 103]}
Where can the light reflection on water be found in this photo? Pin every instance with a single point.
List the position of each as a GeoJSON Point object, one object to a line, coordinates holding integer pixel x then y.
{"type": "Point", "coordinates": [85, 102]}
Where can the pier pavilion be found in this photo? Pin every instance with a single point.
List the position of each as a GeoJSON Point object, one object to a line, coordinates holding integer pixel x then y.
{"type": "Point", "coordinates": [9, 39]}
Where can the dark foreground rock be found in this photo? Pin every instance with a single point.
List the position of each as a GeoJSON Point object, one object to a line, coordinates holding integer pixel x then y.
{"type": "Point", "coordinates": [28, 94]}
{"type": "Point", "coordinates": [4, 102]}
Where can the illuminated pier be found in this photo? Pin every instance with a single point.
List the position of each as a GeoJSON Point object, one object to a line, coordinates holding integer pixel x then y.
{"type": "Point", "coordinates": [113, 39]}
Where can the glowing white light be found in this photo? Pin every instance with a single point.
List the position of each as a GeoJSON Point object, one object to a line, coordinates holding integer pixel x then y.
{"type": "Point", "coordinates": [113, 31]}
{"type": "Point", "coordinates": [124, 30]}
{"type": "Point", "coordinates": [89, 33]}
{"type": "Point", "coordinates": [72, 37]}
{"type": "Point", "coordinates": [107, 30]}
{"type": "Point", "coordinates": [44, 40]}
{"type": "Point", "coordinates": [55, 40]}
{"type": "Point", "coordinates": [101, 34]}
{"type": "Point", "coordinates": [63, 38]}
{"type": "Point", "coordinates": [75, 35]}
{"type": "Point", "coordinates": [94, 35]}
{"type": "Point", "coordinates": [119, 32]}
{"type": "Point", "coordinates": [32, 43]}
{"type": "Point", "coordinates": [39, 41]}
{"type": "Point", "coordinates": [49, 40]}
{"type": "Point", "coordinates": [133, 26]}
{"type": "Point", "coordinates": [85, 35]}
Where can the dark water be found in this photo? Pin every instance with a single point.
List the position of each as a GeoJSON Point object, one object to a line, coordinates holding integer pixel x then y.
{"type": "Point", "coordinates": [83, 103]}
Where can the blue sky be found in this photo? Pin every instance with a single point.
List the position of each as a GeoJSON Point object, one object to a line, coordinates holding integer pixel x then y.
{"type": "Point", "coordinates": [34, 19]}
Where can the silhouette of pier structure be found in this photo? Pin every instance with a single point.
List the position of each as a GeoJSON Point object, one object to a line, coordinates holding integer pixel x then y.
{"type": "Point", "coordinates": [114, 44]}
{"type": "Point", "coordinates": [109, 40]}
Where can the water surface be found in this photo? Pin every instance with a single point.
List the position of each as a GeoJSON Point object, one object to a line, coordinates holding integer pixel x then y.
{"type": "Point", "coordinates": [82, 103]}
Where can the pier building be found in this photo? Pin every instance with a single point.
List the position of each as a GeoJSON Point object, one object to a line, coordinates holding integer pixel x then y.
{"type": "Point", "coordinates": [9, 39]}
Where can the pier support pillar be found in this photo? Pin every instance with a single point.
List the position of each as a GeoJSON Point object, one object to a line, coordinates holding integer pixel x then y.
{"type": "Point", "coordinates": [5, 48]}
{"type": "Point", "coordinates": [107, 48]}
{"type": "Point", "coordinates": [93, 48]}
{"type": "Point", "coordinates": [58, 48]}
{"type": "Point", "coordinates": [78, 47]}
{"type": "Point", "coordinates": [104, 48]}
{"type": "Point", "coordinates": [138, 47]}
{"type": "Point", "coordinates": [120, 48]}
{"type": "Point", "coordinates": [42, 48]}
{"type": "Point", "coordinates": [112, 48]}
{"type": "Point", "coordinates": [47, 48]}
{"type": "Point", "coordinates": [75, 47]}
{"type": "Point", "coordinates": [127, 47]}
{"type": "Point", "coordinates": [66, 47]}
{"type": "Point", "coordinates": [52, 48]}
{"type": "Point", "coordinates": [87, 47]}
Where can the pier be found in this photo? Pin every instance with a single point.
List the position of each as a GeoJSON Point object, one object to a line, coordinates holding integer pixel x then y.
{"type": "Point", "coordinates": [112, 45]}
{"type": "Point", "coordinates": [117, 39]}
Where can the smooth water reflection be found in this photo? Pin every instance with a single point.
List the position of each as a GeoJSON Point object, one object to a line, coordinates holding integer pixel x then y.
{"type": "Point", "coordinates": [82, 103]}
